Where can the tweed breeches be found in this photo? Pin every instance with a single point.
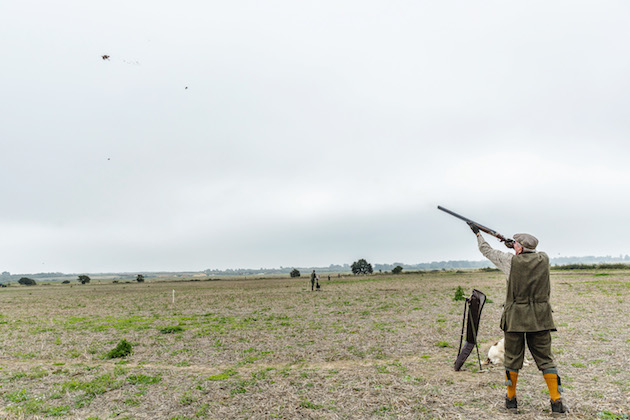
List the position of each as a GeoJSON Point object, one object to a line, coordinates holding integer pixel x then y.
{"type": "Point", "coordinates": [539, 344]}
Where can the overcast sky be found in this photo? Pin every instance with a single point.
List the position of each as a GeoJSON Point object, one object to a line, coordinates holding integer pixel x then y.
{"type": "Point", "coordinates": [225, 134]}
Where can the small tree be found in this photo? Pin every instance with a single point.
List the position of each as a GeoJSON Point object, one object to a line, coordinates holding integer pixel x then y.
{"type": "Point", "coordinates": [140, 278]}
{"type": "Point", "coordinates": [397, 270]}
{"type": "Point", "coordinates": [295, 273]}
{"type": "Point", "coordinates": [83, 279]}
{"type": "Point", "coordinates": [361, 267]}
{"type": "Point", "coordinates": [27, 282]}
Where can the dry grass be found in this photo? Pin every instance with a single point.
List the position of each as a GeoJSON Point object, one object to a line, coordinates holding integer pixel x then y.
{"type": "Point", "coordinates": [370, 347]}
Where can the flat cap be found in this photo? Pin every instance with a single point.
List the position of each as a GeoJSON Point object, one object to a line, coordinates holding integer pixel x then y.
{"type": "Point", "coordinates": [528, 241]}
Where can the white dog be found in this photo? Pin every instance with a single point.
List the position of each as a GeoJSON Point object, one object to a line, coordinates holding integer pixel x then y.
{"type": "Point", "coordinates": [496, 354]}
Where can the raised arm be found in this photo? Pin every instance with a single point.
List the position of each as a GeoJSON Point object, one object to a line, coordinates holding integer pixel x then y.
{"type": "Point", "coordinates": [503, 260]}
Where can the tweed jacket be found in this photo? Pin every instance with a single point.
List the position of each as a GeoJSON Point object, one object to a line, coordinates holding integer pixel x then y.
{"type": "Point", "coordinates": [527, 307]}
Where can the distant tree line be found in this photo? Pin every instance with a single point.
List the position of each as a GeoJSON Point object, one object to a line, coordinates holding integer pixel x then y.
{"type": "Point", "coordinates": [561, 263]}
{"type": "Point", "coordinates": [617, 266]}
{"type": "Point", "coordinates": [332, 268]}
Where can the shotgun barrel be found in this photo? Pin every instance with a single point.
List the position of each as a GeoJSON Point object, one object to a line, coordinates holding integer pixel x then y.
{"type": "Point", "coordinates": [508, 242]}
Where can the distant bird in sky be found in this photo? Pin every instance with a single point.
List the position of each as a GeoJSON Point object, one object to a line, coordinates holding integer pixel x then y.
{"type": "Point", "coordinates": [186, 87]}
{"type": "Point", "coordinates": [105, 57]}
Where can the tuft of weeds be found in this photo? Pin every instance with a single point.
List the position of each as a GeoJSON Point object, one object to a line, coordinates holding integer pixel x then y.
{"type": "Point", "coordinates": [122, 349]}
{"type": "Point", "coordinates": [203, 410]}
{"type": "Point", "coordinates": [381, 369]}
{"type": "Point", "coordinates": [187, 399]}
{"type": "Point", "coordinates": [240, 386]}
{"type": "Point", "coordinates": [309, 405]}
{"type": "Point", "coordinates": [383, 410]}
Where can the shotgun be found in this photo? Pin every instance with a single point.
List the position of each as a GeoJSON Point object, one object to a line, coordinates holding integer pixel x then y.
{"type": "Point", "coordinates": [508, 242]}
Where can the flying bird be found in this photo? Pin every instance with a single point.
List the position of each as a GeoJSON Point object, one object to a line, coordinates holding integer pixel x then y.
{"type": "Point", "coordinates": [105, 57]}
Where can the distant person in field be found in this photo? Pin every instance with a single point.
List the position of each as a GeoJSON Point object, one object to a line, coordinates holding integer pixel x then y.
{"type": "Point", "coordinates": [313, 277]}
{"type": "Point", "coordinates": [317, 282]}
{"type": "Point", "coordinates": [526, 315]}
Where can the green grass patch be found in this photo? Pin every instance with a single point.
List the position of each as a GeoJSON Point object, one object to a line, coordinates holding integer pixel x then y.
{"type": "Point", "coordinates": [58, 411]}
{"type": "Point", "coordinates": [29, 355]}
{"type": "Point", "coordinates": [30, 407]}
{"type": "Point", "coordinates": [223, 376]}
{"type": "Point", "coordinates": [171, 330]}
{"type": "Point", "coordinates": [97, 386]}
{"type": "Point", "coordinates": [611, 416]}
{"type": "Point", "coordinates": [129, 323]}
{"type": "Point", "coordinates": [17, 397]}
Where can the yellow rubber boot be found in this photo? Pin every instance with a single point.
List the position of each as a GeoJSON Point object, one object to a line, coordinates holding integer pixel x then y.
{"type": "Point", "coordinates": [511, 383]}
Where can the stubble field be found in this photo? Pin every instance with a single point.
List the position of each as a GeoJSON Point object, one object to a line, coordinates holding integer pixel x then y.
{"type": "Point", "coordinates": [362, 347]}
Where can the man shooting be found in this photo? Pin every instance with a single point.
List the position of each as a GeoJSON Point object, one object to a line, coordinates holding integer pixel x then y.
{"type": "Point", "coordinates": [527, 314]}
